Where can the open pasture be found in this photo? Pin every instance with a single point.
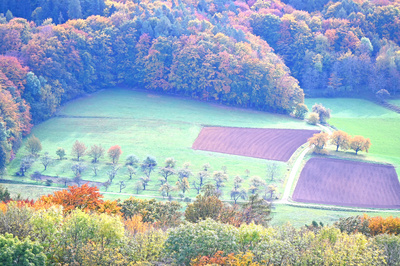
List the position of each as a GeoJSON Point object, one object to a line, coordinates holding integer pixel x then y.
{"type": "Point", "coordinates": [147, 124]}
{"type": "Point", "coordinates": [365, 118]}
{"type": "Point", "coordinates": [270, 144]}
{"type": "Point", "coordinates": [348, 183]}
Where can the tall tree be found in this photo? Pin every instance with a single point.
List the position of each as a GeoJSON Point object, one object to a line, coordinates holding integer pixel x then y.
{"type": "Point", "coordinates": [96, 152]}
{"type": "Point", "coordinates": [114, 152]}
{"type": "Point", "coordinates": [33, 145]}
{"type": "Point", "coordinates": [78, 150]}
{"type": "Point", "coordinates": [341, 139]}
{"type": "Point", "coordinates": [74, 9]}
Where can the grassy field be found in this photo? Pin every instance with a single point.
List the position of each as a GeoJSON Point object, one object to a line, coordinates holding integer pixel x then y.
{"type": "Point", "coordinates": [361, 117]}
{"type": "Point", "coordinates": [163, 126]}
{"type": "Point", "coordinates": [147, 124]}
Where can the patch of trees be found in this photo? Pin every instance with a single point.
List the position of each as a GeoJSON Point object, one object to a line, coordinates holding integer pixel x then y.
{"type": "Point", "coordinates": [65, 228]}
{"type": "Point", "coordinates": [57, 11]}
{"type": "Point", "coordinates": [341, 140]}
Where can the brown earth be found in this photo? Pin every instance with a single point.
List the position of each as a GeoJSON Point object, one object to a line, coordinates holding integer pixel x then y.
{"type": "Point", "coordinates": [264, 143]}
{"type": "Point", "coordinates": [348, 183]}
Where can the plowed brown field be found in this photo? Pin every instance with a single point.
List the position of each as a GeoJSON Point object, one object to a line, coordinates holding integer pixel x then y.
{"type": "Point", "coordinates": [348, 183]}
{"type": "Point", "coordinates": [264, 143]}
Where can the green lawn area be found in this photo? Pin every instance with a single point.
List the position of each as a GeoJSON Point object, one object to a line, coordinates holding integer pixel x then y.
{"type": "Point", "coordinates": [299, 216]}
{"type": "Point", "coordinates": [164, 126]}
{"type": "Point", "coordinates": [148, 124]}
{"type": "Point", "coordinates": [361, 117]}
{"type": "Point", "coordinates": [395, 102]}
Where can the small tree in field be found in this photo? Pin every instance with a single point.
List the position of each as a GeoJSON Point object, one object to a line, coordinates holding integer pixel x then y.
{"type": "Point", "coordinates": [33, 145]}
{"type": "Point", "coordinates": [272, 170]}
{"type": "Point", "coordinates": [168, 169]}
{"type": "Point", "coordinates": [144, 181]}
{"type": "Point", "coordinates": [122, 186]}
{"type": "Point", "coordinates": [148, 165]}
{"type": "Point", "coordinates": [132, 160]}
{"type": "Point", "coordinates": [324, 113]}
{"type": "Point", "coordinates": [46, 160]}
{"type": "Point", "coordinates": [166, 189]}
{"type": "Point", "coordinates": [131, 171]}
{"type": "Point", "coordinates": [78, 149]}
{"type": "Point", "coordinates": [114, 152]}
{"type": "Point", "coordinates": [219, 178]}
{"type": "Point", "coordinates": [341, 140]}
{"type": "Point", "coordinates": [359, 143]}
{"type": "Point", "coordinates": [183, 185]}
{"type": "Point", "coordinates": [107, 184]}
{"type": "Point", "coordinates": [238, 193]}
{"type": "Point", "coordinates": [301, 110]}
{"type": "Point", "coordinates": [313, 118]}
{"type": "Point", "coordinates": [96, 152]}
{"type": "Point", "coordinates": [319, 140]}
{"type": "Point", "coordinates": [78, 168]}
{"type": "Point", "coordinates": [60, 153]}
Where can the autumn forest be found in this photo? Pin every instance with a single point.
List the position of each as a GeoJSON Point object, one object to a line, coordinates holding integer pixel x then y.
{"type": "Point", "coordinates": [263, 55]}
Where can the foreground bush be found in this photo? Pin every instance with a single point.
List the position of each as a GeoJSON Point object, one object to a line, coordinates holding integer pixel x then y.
{"type": "Point", "coordinates": [14, 252]}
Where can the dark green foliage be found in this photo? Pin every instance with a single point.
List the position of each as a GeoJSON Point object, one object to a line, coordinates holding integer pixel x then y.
{"type": "Point", "coordinates": [152, 211]}
{"type": "Point", "coordinates": [4, 194]}
{"type": "Point", "coordinates": [14, 252]}
{"type": "Point", "coordinates": [353, 224]}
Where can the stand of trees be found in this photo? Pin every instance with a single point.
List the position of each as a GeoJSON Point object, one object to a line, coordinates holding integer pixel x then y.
{"type": "Point", "coordinates": [76, 226]}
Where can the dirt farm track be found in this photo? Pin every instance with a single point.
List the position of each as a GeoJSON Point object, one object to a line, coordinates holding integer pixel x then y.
{"type": "Point", "coordinates": [348, 183]}
{"type": "Point", "coordinates": [264, 143]}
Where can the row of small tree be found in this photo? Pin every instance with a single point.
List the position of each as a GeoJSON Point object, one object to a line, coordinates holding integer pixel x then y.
{"type": "Point", "coordinates": [341, 140]}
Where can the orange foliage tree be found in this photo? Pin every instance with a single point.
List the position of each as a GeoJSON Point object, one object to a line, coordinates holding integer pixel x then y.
{"type": "Point", "coordinates": [379, 225]}
{"type": "Point", "coordinates": [230, 259]}
{"type": "Point", "coordinates": [359, 143]}
{"type": "Point", "coordinates": [114, 152]}
{"type": "Point", "coordinates": [85, 198]}
{"type": "Point", "coordinates": [319, 140]}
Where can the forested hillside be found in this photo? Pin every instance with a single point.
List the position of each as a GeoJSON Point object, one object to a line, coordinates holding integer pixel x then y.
{"type": "Point", "coordinates": [257, 54]}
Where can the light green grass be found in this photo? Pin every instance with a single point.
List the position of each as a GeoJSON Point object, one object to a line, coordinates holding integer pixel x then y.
{"type": "Point", "coordinates": [365, 118]}
{"type": "Point", "coordinates": [147, 124]}
{"type": "Point", "coordinates": [299, 216]}
{"type": "Point", "coordinates": [395, 102]}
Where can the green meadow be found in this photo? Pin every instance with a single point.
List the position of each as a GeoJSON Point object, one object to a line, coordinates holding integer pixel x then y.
{"type": "Point", "coordinates": [148, 124]}
{"type": "Point", "coordinates": [365, 118]}
{"type": "Point", "coordinates": [164, 126]}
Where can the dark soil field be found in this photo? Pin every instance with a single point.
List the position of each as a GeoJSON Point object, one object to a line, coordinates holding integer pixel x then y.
{"type": "Point", "coordinates": [264, 143]}
{"type": "Point", "coordinates": [348, 183]}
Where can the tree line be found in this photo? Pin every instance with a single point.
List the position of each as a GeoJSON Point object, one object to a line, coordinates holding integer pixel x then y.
{"type": "Point", "coordinates": [158, 45]}
{"type": "Point", "coordinates": [141, 173]}
{"type": "Point", "coordinates": [77, 226]}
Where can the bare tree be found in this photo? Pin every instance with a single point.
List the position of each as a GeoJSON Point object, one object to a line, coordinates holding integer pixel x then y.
{"type": "Point", "coordinates": [131, 171]}
{"type": "Point", "coordinates": [112, 173]}
{"type": "Point", "coordinates": [96, 152]}
{"type": "Point", "coordinates": [46, 160]}
{"type": "Point", "coordinates": [78, 180]}
{"type": "Point", "coordinates": [94, 168]}
{"type": "Point", "coordinates": [78, 149]}
{"type": "Point", "coordinates": [107, 184]}
{"type": "Point", "coordinates": [144, 180]}
{"type": "Point", "coordinates": [200, 180]}
{"type": "Point", "coordinates": [122, 186]}
{"type": "Point", "coordinates": [138, 187]}
{"type": "Point", "coordinates": [219, 177]}
{"type": "Point", "coordinates": [166, 189]}
{"type": "Point", "coordinates": [238, 194]}
{"type": "Point", "coordinates": [272, 171]}
{"type": "Point", "coordinates": [78, 168]}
